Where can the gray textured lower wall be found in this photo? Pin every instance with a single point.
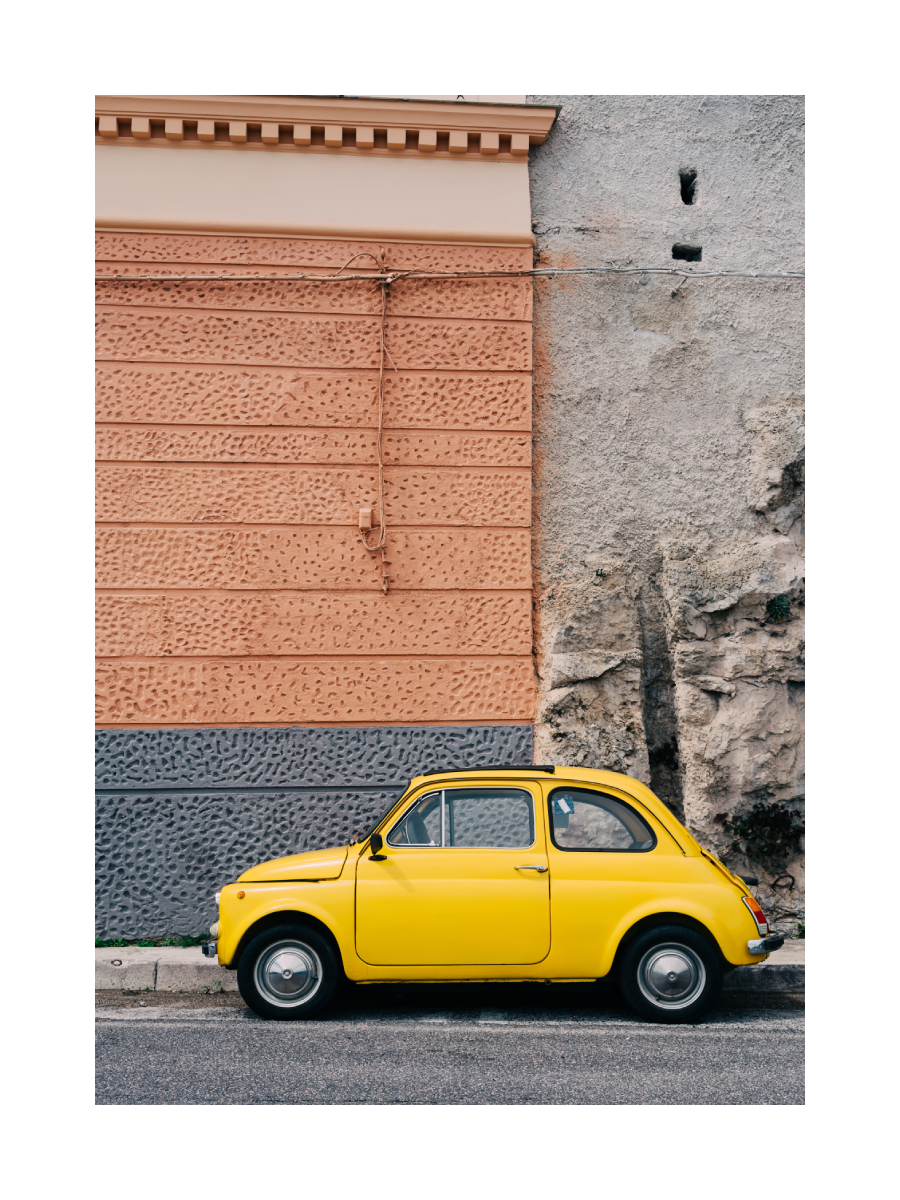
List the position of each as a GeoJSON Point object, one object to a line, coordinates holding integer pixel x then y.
{"type": "Point", "coordinates": [180, 812]}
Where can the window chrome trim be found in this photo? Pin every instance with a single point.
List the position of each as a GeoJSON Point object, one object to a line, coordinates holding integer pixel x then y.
{"type": "Point", "coordinates": [459, 787]}
{"type": "Point", "coordinates": [405, 814]}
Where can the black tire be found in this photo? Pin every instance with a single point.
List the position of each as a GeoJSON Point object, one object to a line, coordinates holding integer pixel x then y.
{"type": "Point", "coordinates": [671, 975]}
{"type": "Point", "coordinates": [289, 973]}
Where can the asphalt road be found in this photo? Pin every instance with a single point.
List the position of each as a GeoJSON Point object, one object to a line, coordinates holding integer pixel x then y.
{"type": "Point", "coordinates": [447, 1044]}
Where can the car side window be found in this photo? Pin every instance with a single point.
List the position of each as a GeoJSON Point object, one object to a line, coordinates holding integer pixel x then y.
{"type": "Point", "coordinates": [488, 817]}
{"type": "Point", "coordinates": [421, 826]}
{"type": "Point", "coordinates": [587, 820]}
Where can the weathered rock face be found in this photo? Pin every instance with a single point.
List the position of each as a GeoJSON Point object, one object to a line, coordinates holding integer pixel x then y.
{"type": "Point", "coordinates": [738, 695]}
{"type": "Point", "coordinates": [669, 457]}
{"type": "Point", "coordinates": [591, 709]}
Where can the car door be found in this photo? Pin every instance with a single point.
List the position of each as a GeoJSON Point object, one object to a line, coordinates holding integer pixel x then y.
{"type": "Point", "coordinates": [607, 859]}
{"type": "Point", "coordinates": [464, 880]}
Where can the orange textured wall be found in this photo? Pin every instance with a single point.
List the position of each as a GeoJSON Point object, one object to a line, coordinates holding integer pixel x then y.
{"type": "Point", "coordinates": [235, 444]}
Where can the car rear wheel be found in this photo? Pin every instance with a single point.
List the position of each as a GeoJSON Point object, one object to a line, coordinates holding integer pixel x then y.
{"type": "Point", "coordinates": [671, 974]}
{"type": "Point", "coordinates": [288, 973]}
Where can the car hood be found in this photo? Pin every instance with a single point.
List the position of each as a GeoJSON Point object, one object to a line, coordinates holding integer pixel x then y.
{"type": "Point", "coordinates": [315, 864]}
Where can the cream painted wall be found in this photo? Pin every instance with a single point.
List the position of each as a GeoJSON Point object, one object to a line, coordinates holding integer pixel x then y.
{"type": "Point", "coordinates": [327, 194]}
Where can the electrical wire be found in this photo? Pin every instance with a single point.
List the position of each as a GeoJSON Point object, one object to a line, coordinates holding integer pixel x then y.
{"type": "Point", "coordinates": [381, 544]}
{"type": "Point", "coordinates": [384, 277]}
{"type": "Point", "coordinates": [395, 276]}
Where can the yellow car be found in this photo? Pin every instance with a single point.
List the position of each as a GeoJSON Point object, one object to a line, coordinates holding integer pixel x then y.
{"type": "Point", "coordinates": [497, 873]}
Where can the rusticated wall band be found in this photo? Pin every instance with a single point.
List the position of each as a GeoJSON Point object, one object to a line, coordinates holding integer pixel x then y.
{"type": "Point", "coordinates": [303, 341]}
{"type": "Point", "coordinates": [209, 557]}
{"type": "Point", "coordinates": [180, 812]}
{"type": "Point", "coordinates": [302, 253]}
{"type": "Point", "coordinates": [485, 299]}
{"type": "Point", "coordinates": [286, 690]}
{"type": "Point", "coordinates": [161, 394]}
{"type": "Point", "coordinates": [154, 625]}
{"type": "Point", "coordinates": [236, 445]}
{"type": "Point", "coordinates": [311, 496]}
{"type": "Point", "coordinates": [330, 446]}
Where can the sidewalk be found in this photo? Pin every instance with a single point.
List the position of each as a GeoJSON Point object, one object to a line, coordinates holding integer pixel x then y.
{"type": "Point", "coordinates": [159, 969]}
{"type": "Point", "coordinates": [170, 969]}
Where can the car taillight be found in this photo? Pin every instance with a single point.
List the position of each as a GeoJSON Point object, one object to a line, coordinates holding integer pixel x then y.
{"type": "Point", "coordinates": [758, 915]}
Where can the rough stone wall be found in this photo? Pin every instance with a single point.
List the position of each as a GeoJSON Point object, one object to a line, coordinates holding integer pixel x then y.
{"type": "Point", "coordinates": [669, 456]}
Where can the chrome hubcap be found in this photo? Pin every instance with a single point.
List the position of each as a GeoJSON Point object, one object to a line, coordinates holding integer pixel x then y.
{"type": "Point", "coordinates": [288, 974]}
{"type": "Point", "coordinates": [671, 976]}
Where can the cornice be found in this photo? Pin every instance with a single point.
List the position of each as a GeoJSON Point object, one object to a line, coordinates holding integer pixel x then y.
{"type": "Point", "coordinates": [343, 124]}
{"type": "Point", "coordinates": [381, 233]}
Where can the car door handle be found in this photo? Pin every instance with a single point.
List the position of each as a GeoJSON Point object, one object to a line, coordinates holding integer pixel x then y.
{"type": "Point", "coordinates": [533, 867]}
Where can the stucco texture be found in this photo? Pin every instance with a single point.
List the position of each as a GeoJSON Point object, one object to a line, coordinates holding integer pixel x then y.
{"type": "Point", "coordinates": [668, 510]}
{"type": "Point", "coordinates": [236, 444]}
{"type": "Point", "coordinates": [182, 811]}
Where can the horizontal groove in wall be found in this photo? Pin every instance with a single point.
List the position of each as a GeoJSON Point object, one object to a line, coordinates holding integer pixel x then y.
{"type": "Point", "coordinates": [313, 658]}
{"type": "Point", "coordinates": [348, 593]}
{"type": "Point", "coordinates": [371, 318]}
{"type": "Point", "coordinates": [320, 527]}
{"type": "Point", "coordinates": [315, 589]}
{"type": "Point", "coordinates": [238, 787]}
{"type": "Point", "coordinates": [426, 469]}
{"type": "Point", "coordinates": [387, 726]}
{"type": "Point", "coordinates": [300, 527]}
{"type": "Point", "coordinates": [363, 369]}
{"type": "Point", "coordinates": [212, 427]}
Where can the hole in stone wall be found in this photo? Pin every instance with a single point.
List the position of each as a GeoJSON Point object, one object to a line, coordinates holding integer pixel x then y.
{"type": "Point", "coordinates": [688, 186]}
{"type": "Point", "coordinates": [687, 253]}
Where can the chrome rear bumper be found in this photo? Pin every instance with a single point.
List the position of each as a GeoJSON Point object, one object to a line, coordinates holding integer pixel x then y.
{"type": "Point", "coordinates": [766, 945]}
{"type": "Point", "coordinates": [209, 949]}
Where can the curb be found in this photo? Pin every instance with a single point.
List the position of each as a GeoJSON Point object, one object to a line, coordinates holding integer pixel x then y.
{"type": "Point", "coordinates": [151, 969]}
{"type": "Point", "coordinates": [767, 977]}
{"type": "Point", "coordinates": [139, 969]}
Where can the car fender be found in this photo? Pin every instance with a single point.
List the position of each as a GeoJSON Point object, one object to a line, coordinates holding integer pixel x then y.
{"type": "Point", "coordinates": [667, 905]}
{"type": "Point", "coordinates": [330, 903]}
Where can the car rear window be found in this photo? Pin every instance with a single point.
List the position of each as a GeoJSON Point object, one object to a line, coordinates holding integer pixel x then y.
{"type": "Point", "coordinates": [588, 820]}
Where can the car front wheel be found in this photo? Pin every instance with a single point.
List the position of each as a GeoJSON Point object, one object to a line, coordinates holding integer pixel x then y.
{"type": "Point", "coordinates": [288, 973]}
{"type": "Point", "coordinates": [671, 974]}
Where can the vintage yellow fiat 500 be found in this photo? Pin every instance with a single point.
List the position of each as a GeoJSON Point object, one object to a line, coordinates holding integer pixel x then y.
{"type": "Point", "coordinates": [497, 873]}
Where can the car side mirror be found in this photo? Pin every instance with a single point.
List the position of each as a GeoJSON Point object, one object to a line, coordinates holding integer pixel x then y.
{"type": "Point", "coordinates": [375, 843]}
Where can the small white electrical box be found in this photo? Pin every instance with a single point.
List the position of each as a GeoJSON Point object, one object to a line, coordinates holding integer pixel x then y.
{"type": "Point", "coordinates": [365, 518]}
